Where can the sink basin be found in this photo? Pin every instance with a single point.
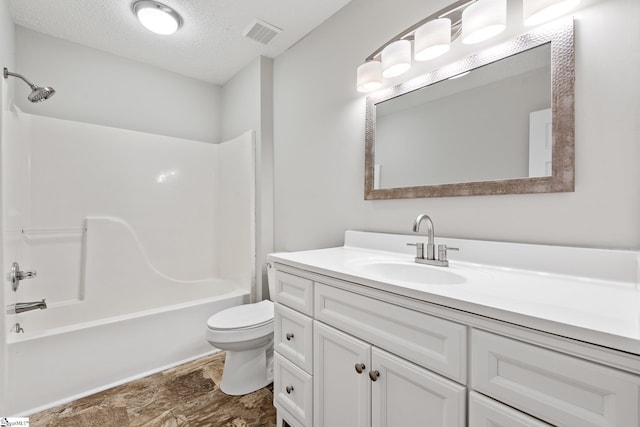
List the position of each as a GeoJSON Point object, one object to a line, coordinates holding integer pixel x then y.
{"type": "Point", "coordinates": [406, 271]}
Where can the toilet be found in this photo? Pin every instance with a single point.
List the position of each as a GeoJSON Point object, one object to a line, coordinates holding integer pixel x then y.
{"type": "Point", "coordinates": [245, 332]}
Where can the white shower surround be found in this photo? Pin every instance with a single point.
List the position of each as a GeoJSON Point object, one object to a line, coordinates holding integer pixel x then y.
{"type": "Point", "coordinates": [137, 239]}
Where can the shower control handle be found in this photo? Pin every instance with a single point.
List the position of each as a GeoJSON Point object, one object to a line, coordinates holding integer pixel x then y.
{"type": "Point", "coordinates": [289, 389]}
{"type": "Point", "coordinates": [15, 275]}
{"type": "Point", "coordinates": [289, 336]}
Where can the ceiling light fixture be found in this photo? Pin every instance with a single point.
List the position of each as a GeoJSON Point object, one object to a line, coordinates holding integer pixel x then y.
{"type": "Point", "coordinates": [157, 17]}
{"type": "Point", "coordinates": [474, 21]}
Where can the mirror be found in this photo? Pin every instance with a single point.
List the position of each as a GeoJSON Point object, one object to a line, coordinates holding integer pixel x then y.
{"type": "Point", "coordinates": [498, 122]}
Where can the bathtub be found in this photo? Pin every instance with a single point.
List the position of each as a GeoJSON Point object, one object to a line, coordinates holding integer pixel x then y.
{"type": "Point", "coordinates": [52, 366]}
{"type": "Point", "coordinates": [137, 239]}
{"type": "Point", "coordinates": [130, 320]}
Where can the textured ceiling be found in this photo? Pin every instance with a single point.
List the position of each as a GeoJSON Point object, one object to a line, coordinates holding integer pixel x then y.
{"type": "Point", "coordinates": [209, 46]}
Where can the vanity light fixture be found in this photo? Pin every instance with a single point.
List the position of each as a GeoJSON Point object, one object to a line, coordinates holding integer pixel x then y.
{"type": "Point", "coordinates": [483, 20]}
{"type": "Point", "coordinates": [432, 39]}
{"type": "Point", "coordinates": [538, 11]}
{"type": "Point", "coordinates": [157, 17]}
{"type": "Point", "coordinates": [474, 21]}
{"type": "Point", "coordinates": [369, 76]}
{"type": "Point", "coordinates": [396, 58]}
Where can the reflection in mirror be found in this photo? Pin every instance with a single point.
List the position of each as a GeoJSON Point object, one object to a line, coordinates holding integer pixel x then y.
{"type": "Point", "coordinates": [474, 127]}
{"type": "Point", "coordinates": [499, 122]}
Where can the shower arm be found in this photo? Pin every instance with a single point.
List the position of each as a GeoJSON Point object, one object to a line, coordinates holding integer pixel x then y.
{"type": "Point", "coordinates": [8, 73]}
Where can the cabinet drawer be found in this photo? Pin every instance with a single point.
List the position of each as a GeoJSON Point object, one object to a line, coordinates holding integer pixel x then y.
{"type": "Point", "coordinates": [285, 419]}
{"type": "Point", "coordinates": [292, 389]}
{"type": "Point", "coordinates": [554, 387]}
{"type": "Point", "coordinates": [294, 292]}
{"type": "Point", "coordinates": [293, 336]}
{"type": "Point", "coordinates": [485, 412]}
{"type": "Point", "coordinates": [434, 343]}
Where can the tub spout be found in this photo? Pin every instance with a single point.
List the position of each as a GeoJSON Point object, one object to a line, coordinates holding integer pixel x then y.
{"type": "Point", "coordinates": [26, 306]}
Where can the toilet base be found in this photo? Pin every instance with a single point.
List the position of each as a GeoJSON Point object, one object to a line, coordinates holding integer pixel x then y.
{"type": "Point", "coordinates": [247, 371]}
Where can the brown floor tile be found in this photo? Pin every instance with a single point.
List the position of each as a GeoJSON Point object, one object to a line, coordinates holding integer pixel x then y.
{"type": "Point", "coordinates": [184, 396]}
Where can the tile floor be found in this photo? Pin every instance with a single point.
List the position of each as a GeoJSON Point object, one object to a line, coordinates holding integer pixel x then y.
{"type": "Point", "coordinates": [185, 396]}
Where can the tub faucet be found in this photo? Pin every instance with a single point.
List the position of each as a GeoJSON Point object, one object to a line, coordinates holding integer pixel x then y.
{"type": "Point", "coordinates": [26, 306]}
{"type": "Point", "coordinates": [429, 257]}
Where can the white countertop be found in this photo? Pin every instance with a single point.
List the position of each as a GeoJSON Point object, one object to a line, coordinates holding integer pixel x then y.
{"type": "Point", "coordinates": [572, 294]}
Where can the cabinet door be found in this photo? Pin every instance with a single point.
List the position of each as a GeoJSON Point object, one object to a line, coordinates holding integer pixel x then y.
{"type": "Point", "coordinates": [406, 395]}
{"type": "Point", "coordinates": [341, 394]}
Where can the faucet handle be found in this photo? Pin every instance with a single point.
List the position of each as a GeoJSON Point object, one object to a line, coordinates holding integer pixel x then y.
{"type": "Point", "coordinates": [419, 249]}
{"type": "Point", "coordinates": [442, 252]}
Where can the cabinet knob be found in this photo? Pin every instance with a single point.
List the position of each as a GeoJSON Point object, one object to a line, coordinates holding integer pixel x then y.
{"type": "Point", "coordinates": [374, 375]}
{"type": "Point", "coordinates": [289, 389]}
{"type": "Point", "coordinates": [289, 336]}
{"type": "Point", "coordinates": [360, 367]}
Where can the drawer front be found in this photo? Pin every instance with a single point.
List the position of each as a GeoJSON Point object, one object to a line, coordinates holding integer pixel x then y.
{"type": "Point", "coordinates": [285, 419]}
{"type": "Point", "coordinates": [292, 389]}
{"type": "Point", "coordinates": [485, 412]}
{"type": "Point", "coordinates": [293, 336]}
{"type": "Point", "coordinates": [294, 292]}
{"type": "Point", "coordinates": [554, 387]}
{"type": "Point", "coordinates": [434, 343]}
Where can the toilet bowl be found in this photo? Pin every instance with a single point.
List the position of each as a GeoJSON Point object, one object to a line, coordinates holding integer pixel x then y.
{"type": "Point", "coordinates": [245, 332]}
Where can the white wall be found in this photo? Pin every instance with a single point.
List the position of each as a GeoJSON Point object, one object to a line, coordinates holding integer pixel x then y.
{"type": "Point", "coordinates": [247, 103]}
{"type": "Point", "coordinates": [319, 138]}
{"type": "Point", "coordinates": [7, 35]}
{"type": "Point", "coordinates": [101, 88]}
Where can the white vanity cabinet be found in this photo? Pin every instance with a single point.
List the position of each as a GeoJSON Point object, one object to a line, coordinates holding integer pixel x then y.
{"type": "Point", "coordinates": [359, 357]}
{"type": "Point", "coordinates": [405, 368]}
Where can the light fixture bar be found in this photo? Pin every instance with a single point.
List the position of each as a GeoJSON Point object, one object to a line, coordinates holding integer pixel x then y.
{"type": "Point", "coordinates": [473, 21]}
{"type": "Point", "coordinates": [453, 12]}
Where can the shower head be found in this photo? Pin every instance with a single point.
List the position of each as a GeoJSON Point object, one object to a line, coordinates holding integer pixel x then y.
{"type": "Point", "coordinates": [38, 94]}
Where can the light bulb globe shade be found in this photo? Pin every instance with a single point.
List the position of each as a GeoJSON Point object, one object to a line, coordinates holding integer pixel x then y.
{"type": "Point", "coordinates": [369, 76]}
{"type": "Point", "coordinates": [396, 58]}
{"type": "Point", "coordinates": [483, 19]}
{"type": "Point", "coordinates": [539, 11]}
{"type": "Point", "coordinates": [157, 17]}
{"type": "Point", "coordinates": [432, 39]}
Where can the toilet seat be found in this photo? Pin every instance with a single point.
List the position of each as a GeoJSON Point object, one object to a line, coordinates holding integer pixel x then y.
{"type": "Point", "coordinates": [241, 323]}
{"type": "Point", "coordinates": [242, 316]}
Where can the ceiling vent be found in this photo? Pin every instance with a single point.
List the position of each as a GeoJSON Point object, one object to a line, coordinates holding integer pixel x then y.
{"type": "Point", "coordinates": [261, 31]}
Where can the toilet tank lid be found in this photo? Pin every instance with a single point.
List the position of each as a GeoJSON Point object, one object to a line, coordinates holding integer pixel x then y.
{"type": "Point", "coordinates": [242, 316]}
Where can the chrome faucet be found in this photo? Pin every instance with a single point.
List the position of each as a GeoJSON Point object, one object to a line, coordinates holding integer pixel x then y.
{"type": "Point", "coordinates": [430, 246]}
{"type": "Point", "coordinates": [26, 306]}
{"type": "Point", "coordinates": [430, 256]}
